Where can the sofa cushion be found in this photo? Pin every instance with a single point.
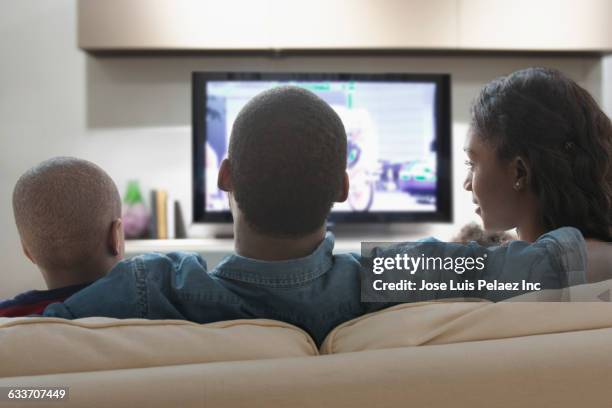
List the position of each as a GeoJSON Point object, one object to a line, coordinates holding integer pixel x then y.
{"type": "Point", "coordinates": [560, 370]}
{"type": "Point", "coordinates": [444, 322]}
{"type": "Point", "coordinates": [36, 345]}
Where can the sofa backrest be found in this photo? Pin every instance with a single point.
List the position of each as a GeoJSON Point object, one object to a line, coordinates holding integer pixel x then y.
{"type": "Point", "coordinates": [546, 371]}
{"type": "Point", "coordinates": [36, 345]}
{"type": "Point", "coordinates": [449, 321]}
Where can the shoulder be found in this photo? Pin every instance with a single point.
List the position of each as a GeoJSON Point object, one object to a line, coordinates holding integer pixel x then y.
{"type": "Point", "coordinates": [568, 245]}
{"type": "Point", "coordinates": [562, 237]}
{"type": "Point", "coordinates": [556, 242]}
{"type": "Point", "coordinates": [560, 252]}
{"type": "Point", "coordinates": [18, 299]}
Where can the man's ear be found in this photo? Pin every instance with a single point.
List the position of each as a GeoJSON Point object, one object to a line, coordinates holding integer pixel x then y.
{"type": "Point", "coordinates": [522, 173]}
{"type": "Point", "coordinates": [224, 180]}
{"type": "Point", "coordinates": [116, 240]}
{"type": "Point", "coordinates": [343, 195]}
{"type": "Point", "coordinates": [26, 252]}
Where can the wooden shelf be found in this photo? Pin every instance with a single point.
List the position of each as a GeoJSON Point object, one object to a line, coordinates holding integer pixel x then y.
{"type": "Point", "coordinates": [273, 25]}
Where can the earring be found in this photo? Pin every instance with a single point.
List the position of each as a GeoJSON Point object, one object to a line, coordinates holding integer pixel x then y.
{"type": "Point", "coordinates": [517, 185]}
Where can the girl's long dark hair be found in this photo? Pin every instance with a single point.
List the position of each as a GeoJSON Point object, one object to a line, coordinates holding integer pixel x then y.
{"type": "Point", "coordinates": [566, 140]}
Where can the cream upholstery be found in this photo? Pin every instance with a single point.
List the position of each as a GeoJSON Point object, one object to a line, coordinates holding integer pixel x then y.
{"type": "Point", "coordinates": [31, 346]}
{"type": "Point", "coordinates": [429, 323]}
{"type": "Point", "coordinates": [469, 354]}
{"type": "Point", "coordinates": [557, 371]}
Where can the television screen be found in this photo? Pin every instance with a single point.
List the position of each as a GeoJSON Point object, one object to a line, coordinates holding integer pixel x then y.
{"type": "Point", "coordinates": [398, 133]}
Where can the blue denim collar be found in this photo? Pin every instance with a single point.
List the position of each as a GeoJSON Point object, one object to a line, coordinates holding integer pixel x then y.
{"type": "Point", "coordinates": [279, 273]}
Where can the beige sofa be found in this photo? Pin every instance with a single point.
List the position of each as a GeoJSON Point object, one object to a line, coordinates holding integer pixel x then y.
{"type": "Point", "coordinates": [431, 354]}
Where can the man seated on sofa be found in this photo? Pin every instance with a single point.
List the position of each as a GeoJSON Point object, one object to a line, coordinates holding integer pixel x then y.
{"type": "Point", "coordinates": [68, 214]}
{"type": "Point", "coordinates": [285, 169]}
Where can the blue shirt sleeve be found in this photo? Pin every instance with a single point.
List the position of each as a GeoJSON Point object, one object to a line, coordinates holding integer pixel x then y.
{"type": "Point", "coordinates": [556, 260]}
{"type": "Point", "coordinates": [141, 287]}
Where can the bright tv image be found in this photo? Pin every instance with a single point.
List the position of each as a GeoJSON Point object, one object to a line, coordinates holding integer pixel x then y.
{"type": "Point", "coordinates": [395, 131]}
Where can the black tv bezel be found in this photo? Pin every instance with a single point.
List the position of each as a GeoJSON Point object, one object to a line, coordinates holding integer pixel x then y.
{"type": "Point", "coordinates": [444, 197]}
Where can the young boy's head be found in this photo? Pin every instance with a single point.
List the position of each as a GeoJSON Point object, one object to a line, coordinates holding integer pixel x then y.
{"type": "Point", "coordinates": [68, 213]}
{"type": "Point", "coordinates": [286, 162]}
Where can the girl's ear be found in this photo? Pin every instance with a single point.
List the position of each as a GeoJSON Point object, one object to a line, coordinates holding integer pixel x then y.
{"type": "Point", "coordinates": [522, 173]}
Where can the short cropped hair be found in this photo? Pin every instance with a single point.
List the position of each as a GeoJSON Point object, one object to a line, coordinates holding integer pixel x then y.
{"type": "Point", "coordinates": [64, 208]}
{"type": "Point", "coordinates": [566, 139]}
{"type": "Point", "coordinates": [287, 158]}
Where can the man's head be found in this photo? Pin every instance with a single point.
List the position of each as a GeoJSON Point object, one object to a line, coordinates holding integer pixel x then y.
{"type": "Point", "coordinates": [68, 213]}
{"type": "Point", "coordinates": [286, 162]}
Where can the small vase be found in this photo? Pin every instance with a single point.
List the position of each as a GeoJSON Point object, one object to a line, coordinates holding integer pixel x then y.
{"type": "Point", "coordinates": [135, 214]}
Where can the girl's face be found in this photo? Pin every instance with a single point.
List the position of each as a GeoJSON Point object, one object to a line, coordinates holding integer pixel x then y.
{"type": "Point", "coordinates": [492, 182]}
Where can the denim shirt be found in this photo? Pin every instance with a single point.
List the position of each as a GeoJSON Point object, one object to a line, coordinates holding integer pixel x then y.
{"type": "Point", "coordinates": [316, 292]}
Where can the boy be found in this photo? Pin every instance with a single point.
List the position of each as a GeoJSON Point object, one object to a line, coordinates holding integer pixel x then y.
{"type": "Point", "coordinates": [68, 214]}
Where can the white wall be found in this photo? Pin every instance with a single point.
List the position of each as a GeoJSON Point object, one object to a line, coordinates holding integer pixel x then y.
{"type": "Point", "coordinates": [131, 115]}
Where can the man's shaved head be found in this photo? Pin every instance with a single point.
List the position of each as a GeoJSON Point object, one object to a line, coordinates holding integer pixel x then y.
{"type": "Point", "coordinates": [64, 209]}
{"type": "Point", "coordinates": [287, 157]}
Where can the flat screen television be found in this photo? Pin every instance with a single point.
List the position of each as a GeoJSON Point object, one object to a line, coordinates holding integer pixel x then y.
{"type": "Point", "coordinates": [398, 130]}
